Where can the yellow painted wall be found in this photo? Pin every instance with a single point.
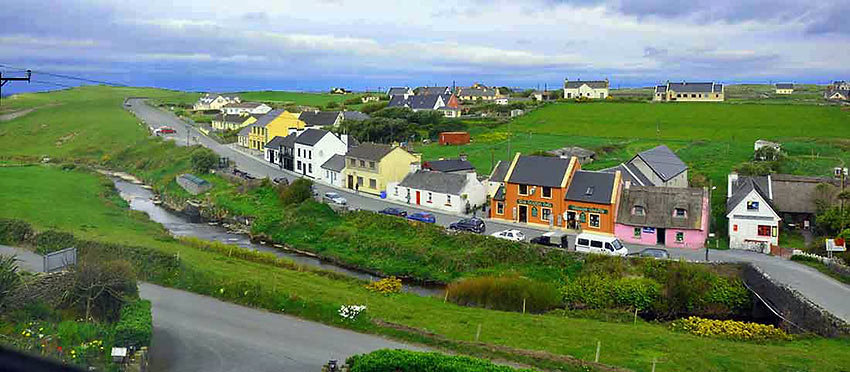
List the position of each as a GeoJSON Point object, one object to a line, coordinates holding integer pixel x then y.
{"type": "Point", "coordinates": [392, 168]}
{"type": "Point", "coordinates": [280, 126]}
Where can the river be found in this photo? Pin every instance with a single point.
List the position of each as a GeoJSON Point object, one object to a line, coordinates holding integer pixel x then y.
{"type": "Point", "coordinates": [141, 199]}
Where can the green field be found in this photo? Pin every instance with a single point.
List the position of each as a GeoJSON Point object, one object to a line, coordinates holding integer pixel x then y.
{"type": "Point", "coordinates": [298, 98]}
{"type": "Point", "coordinates": [627, 345]}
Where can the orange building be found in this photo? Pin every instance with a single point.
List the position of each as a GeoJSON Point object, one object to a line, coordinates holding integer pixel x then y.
{"type": "Point", "coordinates": [555, 192]}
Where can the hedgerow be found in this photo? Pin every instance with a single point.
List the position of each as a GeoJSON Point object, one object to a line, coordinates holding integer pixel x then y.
{"type": "Point", "coordinates": [135, 326]}
{"type": "Point", "coordinates": [414, 361]}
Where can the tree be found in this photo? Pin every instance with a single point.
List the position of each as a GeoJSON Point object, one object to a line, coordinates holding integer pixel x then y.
{"type": "Point", "coordinates": [767, 153]}
{"type": "Point", "coordinates": [296, 192]}
{"type": "Point", "coordinates": [332, 105]}
{"type": "Point", "coordinates": [203, 159]}
{"type": "Point", "coordinates": [100, 287]}
{"type": "Point", "coordinates": [370, 108]}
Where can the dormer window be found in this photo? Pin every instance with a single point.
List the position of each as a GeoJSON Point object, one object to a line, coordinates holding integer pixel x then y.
{"type": "Point", "coordinates": [589, 191]}
{"type": "Point", "coordinates": [680, 212]}
{"type": "Point", "coordinates": [639, 210]}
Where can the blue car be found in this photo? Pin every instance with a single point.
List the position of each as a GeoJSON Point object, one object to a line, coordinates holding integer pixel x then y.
{"type": "Point", "coordinates": [422, 217]}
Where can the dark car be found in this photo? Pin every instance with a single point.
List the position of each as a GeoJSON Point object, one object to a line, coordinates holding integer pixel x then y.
{"type": "Point", "coordinates": [422, 217]}
{"type": "Point", "coordinates": [552, 239]}
{"type": "Point", "coordinates": [473, 224]}
{"type": "Point", "coordinates": [281, 181]}
{"type": "Point", "coordinates": [656, 253]}
{"type": "Point", "coordinates": [393, 212]}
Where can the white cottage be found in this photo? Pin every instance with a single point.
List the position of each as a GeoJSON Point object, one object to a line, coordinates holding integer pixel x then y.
{"type": "Point", "coordinates": [450, 192]}
{"type": "Point", "coordinates": [313, 147]}
{"type": "Point", "coordinates": [753, 220]}
{"type": "Point", "coordinates": [332, 170]}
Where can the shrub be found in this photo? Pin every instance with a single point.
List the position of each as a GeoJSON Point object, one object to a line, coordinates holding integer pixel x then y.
{"type": "Point", "coordinates": [52, 241]}
{"type": "Point", "coordinates": [691, 289]}
{"type": "Point", "coordinates": [135, 325]}
{"type": "Point", "coordinates": [504, 293]}
{"type": "Point", "coordinates": [203, 159]}
{"type": "Point", "coordinates": [385, 286]}
{"type": "Point", "coordinates": [9, 277]}
{"type": "Point", "coordinates": [100, 288]}
{"type": "Point", "coordinates": [14, 231]}
{"type": "Point", "coordinates": [599, 292]}
{"type": "Point", "coordinates": [415, 361]}
{"type": "Point", "coordinates": [296, 192]}
{"type": "Point", "coordinates": [730, 329]}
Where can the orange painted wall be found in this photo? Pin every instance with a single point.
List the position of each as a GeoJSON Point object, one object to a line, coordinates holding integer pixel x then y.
{"type": "Point", "coordinates": [606, 220]}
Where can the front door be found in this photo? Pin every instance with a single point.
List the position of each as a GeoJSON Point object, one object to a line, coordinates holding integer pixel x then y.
{"type": "Point", "coordinates": [661, 236]}
{"type": "Point", "coordinates": [418, 195]}
{"type": "Point", "coordinates": [523, 213]}
{"type": "Point", "coordinates": [350, 181]}
{"type": "Point", "coordinates": [571, 220]}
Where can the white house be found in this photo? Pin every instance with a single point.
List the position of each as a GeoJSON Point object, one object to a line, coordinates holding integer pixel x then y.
{"type": "Point", "coordinates": [753, 220]}
{"type": "Point", "coordinates": [592, 89]}
{"type": "Point", "coordinates": [215, 101]}
{"type": "Point", "coordinates": [332, 170]}
{"type": "Point", "coordinates": [313, 147]}
{"type": "Point", "coordinates": [246, 108]}
{"type": "Point", "coordinates": [451, 192]}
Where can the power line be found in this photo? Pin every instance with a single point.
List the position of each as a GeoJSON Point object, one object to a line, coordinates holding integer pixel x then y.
{"type": "Point", "coordinates": [62, 76]}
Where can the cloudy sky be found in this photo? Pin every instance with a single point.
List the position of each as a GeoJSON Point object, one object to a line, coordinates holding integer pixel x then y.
{"type": "Point", "coordinates": [317, 44]}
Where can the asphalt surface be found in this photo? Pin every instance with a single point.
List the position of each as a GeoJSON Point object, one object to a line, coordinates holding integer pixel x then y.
{"type": "Point", "coordinates": [817, 287]}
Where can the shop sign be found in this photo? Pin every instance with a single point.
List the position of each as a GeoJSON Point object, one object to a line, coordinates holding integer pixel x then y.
{"type": "Point", "coordinates": [587, 209]}
{"type": "Point", "coordinates": [534, 202]}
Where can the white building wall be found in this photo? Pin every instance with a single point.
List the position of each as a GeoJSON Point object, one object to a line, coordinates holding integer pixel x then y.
{"type": "Point", "coordinates": [474, 192]}
{"type": "Point", "coordinates": [586, 91]}
{"type": "Point", "coordinates": [332, 178]}
{"type": "Point", "coordinates": [317, 155]}
{"type": "Point", "coordinates": [743, 225]}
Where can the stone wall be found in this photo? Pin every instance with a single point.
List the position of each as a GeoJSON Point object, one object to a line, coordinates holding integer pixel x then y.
{"type": "Point", "coordinates": [801, 314]}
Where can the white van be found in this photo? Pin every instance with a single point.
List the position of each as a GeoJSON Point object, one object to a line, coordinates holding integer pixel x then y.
{"type": "Point", "coordinates": [602, 244]}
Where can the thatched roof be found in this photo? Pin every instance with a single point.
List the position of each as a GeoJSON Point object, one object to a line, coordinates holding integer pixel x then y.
{"type": "Point", "coordinates": [796, 194]}
{"type": "Point", "coordinates": [659, 204]}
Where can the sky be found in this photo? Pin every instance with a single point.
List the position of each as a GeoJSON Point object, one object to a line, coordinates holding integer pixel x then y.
{"type": "Point", "coordinates": [313, 45]}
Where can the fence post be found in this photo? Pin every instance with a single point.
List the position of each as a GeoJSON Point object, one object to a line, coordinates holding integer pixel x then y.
{"type": "Point", "coordinates": [523, 306]}
{"type": "Point", "coordinates": [635, 321]}
{"type": "Point", "coordinates": [598, 347]}
{"type": "Point", "coordinates": [446, 298]}
{"type": "Point", "coordinates": [654, 361]}
{"type": "Point", "coordinates": [478, 333]}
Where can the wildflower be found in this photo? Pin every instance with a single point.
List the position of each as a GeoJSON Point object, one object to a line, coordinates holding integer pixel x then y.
{"type": "Point", "coordinates": [350, 312]}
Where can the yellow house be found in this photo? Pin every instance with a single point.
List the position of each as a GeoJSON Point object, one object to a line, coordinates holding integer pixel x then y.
{"type": "Point", "coordinates": [369, 167]}
{"type": "Point", "coordinates": [275, 123]}
{"type": "Point", "coordinates": [784, 88]}
{"type": "Point", "coordinates": [233, 122]}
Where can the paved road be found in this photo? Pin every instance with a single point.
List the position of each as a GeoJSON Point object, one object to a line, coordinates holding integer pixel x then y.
{"type": "Point", "coordinates": [199, 333]}
{"type": "Point", "coordinates": [821, 289]}
{"type": "Point", "coordinates": [27, 260]}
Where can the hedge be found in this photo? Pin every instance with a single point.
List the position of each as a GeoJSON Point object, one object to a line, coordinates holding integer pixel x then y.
{"type": "Point", "coordinates": [414, 361]}
{"type": "Point", "coordinates": [602, 292]}
{"type": "Point", "coordinates": [14, 232]}
{"type": "Point", "coordinates": [135, 326]}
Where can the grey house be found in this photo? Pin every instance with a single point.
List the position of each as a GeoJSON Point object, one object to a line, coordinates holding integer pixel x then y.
{"type": "Point", "coordinates": [658, 166]}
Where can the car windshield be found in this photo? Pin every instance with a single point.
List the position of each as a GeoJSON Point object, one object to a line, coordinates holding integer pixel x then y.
{"type": "Point", "coordinates": [617, 245]}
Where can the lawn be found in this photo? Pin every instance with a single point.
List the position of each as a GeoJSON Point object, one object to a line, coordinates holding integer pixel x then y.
{"type": "Point", "coordinates": [627, 345]}
{"type": "Point", "coordinates": [298, 98]}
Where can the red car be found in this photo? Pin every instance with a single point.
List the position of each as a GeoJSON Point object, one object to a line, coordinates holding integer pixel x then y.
{"type": "Point", "coordinates": [165, 130]}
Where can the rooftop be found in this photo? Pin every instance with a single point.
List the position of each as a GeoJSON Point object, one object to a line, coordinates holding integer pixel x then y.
{"type": "Point", "coordinates": [539, 170]}
{"type": "Point", "coordinates": [591, 187]}
{"type": "Point", "coordinates": [448, 165]}
{"type": "Point", "coordinates": [444, 183]}
{"type": "Point", "coordinates": [658, 204]}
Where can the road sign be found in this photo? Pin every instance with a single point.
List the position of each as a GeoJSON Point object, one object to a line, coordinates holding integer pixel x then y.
{"type": "Point", "coordinates": [832, 247]}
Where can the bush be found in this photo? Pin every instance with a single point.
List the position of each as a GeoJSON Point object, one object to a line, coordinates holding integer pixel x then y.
{"type": "Point", "coordinates": [600, 292]}
{"type": "Point", "coordinates": [415, 361]}
{"type": "Point", "coordinates": [203, 159]}
{"type": "Point", "coordinates": [52, 241]}
{"type": "Point", "coordinates": [296, 192]}
{"type": "Point", "coordinates": [691, 289]}
{"type": "Point", "coordinates": [385, 286]}
{"type": "Point", "coordinates": [730, 329]}
{"type": "Point", "coordinates": [135, 325]}
{"type": "Point", "coordinates": [100, 288]}
{"type": "Point", "coordinates": [504, 293]}
{"type": "Point", "coordinates": [9, 277]}
{"type": "Point", "coordinates": [14, 232]}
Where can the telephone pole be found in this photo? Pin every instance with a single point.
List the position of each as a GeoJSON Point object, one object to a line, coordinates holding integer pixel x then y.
{"type": "Point", "coordinates": [4, 80]}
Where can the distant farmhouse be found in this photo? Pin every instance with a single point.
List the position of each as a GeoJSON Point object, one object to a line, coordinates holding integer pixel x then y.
{"type": "Point", "coordinates": [689, 92]}
{"type": "Point", "coordinates": [592, 89]}
{"type": "Point", "coordinates": [245, 108]}
{"type": "Point", "coordinates": [213, 101]}
{"type": "Point", "coordinates": [784, 88]}
{"type": "Point", "coordinates": [479, 92]}
{"type": "Point", "coordinates": [838, 90]}
{"type": "Point", "coordinates": [427, 98]}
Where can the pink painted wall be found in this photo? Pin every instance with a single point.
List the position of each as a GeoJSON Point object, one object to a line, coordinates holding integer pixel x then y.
{"type": "Point", "coordinates": [694, 239]}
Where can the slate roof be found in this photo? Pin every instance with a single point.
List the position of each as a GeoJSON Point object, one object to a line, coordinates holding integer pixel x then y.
{"type": "Point", "coordinates": [663, 162]}
{"type": "Point", "coordinates": [354, 115]}
{"type": "Point", "coordinates": [248, 105]}
{"type": "Point", "coordinates": [591, 187]}
{"type": "Point", "coordinates": [595, 84]}
{"type": "Point", "coordinates": [630, 173]}
{"type": "Point", "coordinates": [539, 170]}
{"type": "Point", "coordinates": [500, 193]}
{"type": "Point", "coordinates": [444, 183]}
{"type": "Point", "coordinates": [310, 136]}
{"type": "Point", "coordinates": [319, 119]}
{"type": "Point", "coordinates": [335, 163]}
{"type": "Point", "coordinates": [417, 102]}
{"type": "Point", "coordinates": [742, 188]}
{"type": "Point", "coordinates": [784, 85]}
{"type": "Point", "coordinates": [658, 204]}
{"type": "Point", "coordinates": [499, 171]}
{"type": "Point", "coordinates": [686, 87]}
{"type": "Point", "coordinates": [478, 92]}
{"type": "Point", "coordinates": [230, 118]}
{"type": "Point", "coordinates": [289, 140]}
{"type": "Point", "coordinates": [448, 165]}
{"type": "Point", "coordinates": [275, 143]}
{"type": "Point", "coordinates": [398, 91]}
{"type": "Point", "coordinates": [796, 194]}
{"type": "Point", "coordinates": [427, 91]}
{"type": "Point", "coordinates": [267, 118]}
{"type": "Point", "coordinates": [661, 89]}
{"type": "Point", "coordinates": [246, 129]}
{"type": "Point", "coordinates": [369, 151]}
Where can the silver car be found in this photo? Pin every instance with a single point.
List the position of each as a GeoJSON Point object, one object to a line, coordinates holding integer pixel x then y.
{"type": "Point", "coordinates": [334, 198]}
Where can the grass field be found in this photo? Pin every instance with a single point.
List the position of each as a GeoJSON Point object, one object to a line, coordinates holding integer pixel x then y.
{"type": "Point", "coordinates": [298, 98]}
{"type": "Point", "coordinates": [57, 202]}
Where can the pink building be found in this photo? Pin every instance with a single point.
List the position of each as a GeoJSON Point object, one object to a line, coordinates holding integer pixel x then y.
{"type": "Point", "coordinates": [672, 217]}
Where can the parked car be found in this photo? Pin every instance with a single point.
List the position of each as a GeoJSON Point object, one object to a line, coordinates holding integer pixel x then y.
{"type": "Point", "coordinates": [473, 224]}
{"type": "Point", "coordinates": [165, 130]}
{"type": "Point", "coordinates": [390, 211]}
{"type": "Point", "coordinates": [552, 239]}
{"type": "Point", "coordinates": [514, 235]}
{"type": "Point", "coordinates": [656, 253]}
{"type": "Point", "coordinates": [600, 244]}
{"type": "Point", "coordinates": [334, 198]}
{"type": "Point", "coordinates": [422, 217]}
{"type": "Point", "coordinates": [280, 181]}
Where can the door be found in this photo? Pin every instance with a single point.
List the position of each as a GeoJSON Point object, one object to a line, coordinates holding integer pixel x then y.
{"type": "Point", "coordinates": [661, 236]}
{"type": "Point", "coordinates": [571, 220]}
{"type": "Point", "coordinates": [523, 213]}
{"type": "Point", "coordinates": [418, 196]}
{"type": "Point", "coordinates": [350, 181]}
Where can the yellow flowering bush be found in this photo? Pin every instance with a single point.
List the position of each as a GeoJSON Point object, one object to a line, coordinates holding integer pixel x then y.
{"type": "Point", "coordinates": [731, 329]}
{"type": "Point", "coordinates": [385, 286]}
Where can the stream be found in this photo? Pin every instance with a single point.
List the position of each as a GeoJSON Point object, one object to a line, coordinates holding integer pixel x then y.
{"type": "Point", "coordinates": [141, 199]}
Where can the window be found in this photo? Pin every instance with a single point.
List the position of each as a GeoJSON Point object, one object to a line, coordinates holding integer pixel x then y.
{"type": "Point", "coordinates": [589, 191]}
{"type": "Point", "coordinates": [298, 164]}
{"type": "Point", "coordinates": [546, 214]}
{"type": "Point", "coordinates": [373, 183]}
{"type": "Point", "coordinates": [533, 211]}
{"type": "Point", "coordinates": [763, 230]}
{"type": "Point", "coordinates": [595, 244]}
{"type": "Point", "coordinates": [352, 162]}
{"type": "Point", "coordinates": [523, 189]}
{"type": "Point", "coordinates": [372, 165]}
{"type": "Point", "coordinates": [639, 210]}
{"type": "Point", "coordinates": [680, 212]}
{"type": "Point", "coordinates": [752, 205]}
{"type": "Point", "coordinates": [396, 191]}
{"type": "Point", "coordinates": [609, 247]}
{"type": "Point", "coordinates": [500, 208]}
{"type": "Point", "coordinates": [430, 196]}
{"type": "Point", "coordinates": [309, 154]}
{"type": "Point", "coordinates": [547, 192]}
{"type": "Point", "coordinates": [359, 181]}
{"type": "Point", "coordinates": [362, 163]}
{"type": "Point", "coordinates": [299, 151]}
{"type": "Point", "coordinates": [594, 220]}
{"type": "Point", "coordinates": [637, 232]}
{"type": "Point", "coordinates": [678, 95]}
{"type": "Point", "coordinates": [680, 237]}
{"type": "Point", "coordinates": [310, 168]}
{"type": "Point", "coordinates": [449, 200]}
{"type": "Point", "coordinates": [583, 242]}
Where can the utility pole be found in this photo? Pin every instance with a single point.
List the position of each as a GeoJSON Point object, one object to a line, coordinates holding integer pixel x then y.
{"type": "Point", "coordinates": [4, 80]}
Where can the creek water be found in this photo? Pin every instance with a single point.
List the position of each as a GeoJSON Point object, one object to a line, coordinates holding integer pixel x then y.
{"type": "Point", "coordinates": [141, 199]}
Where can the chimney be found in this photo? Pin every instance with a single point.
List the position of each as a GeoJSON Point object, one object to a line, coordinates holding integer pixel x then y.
{"type": "Point", "coordinates": [415, 166]}
{"type": "Point", "coordinates": [471, 176]}
{"type": "Point", "coordinates": [344, 139]}
{"type": "Point", "coordinates": [628, 184]}
{"type": "Point", "coordinates": [733, 179]}
{"type": "Point", "coordinates": [462, 157]}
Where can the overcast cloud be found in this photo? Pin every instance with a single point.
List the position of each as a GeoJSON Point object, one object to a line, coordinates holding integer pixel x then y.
{"type": "Point", "coordinates": [313, 45]}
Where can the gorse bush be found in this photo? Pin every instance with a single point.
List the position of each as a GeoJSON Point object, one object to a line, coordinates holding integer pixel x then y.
{"type": "Point", "coordinates": [135, 325]}
{"type": "Point", "coordinates": [730, 329]}
{"type": "Point", "coordinates": [415, 361]}
{"type": "Point", "coordinates": [385, 286]}
{"type": "Point", "coordinates": [504, 293]}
